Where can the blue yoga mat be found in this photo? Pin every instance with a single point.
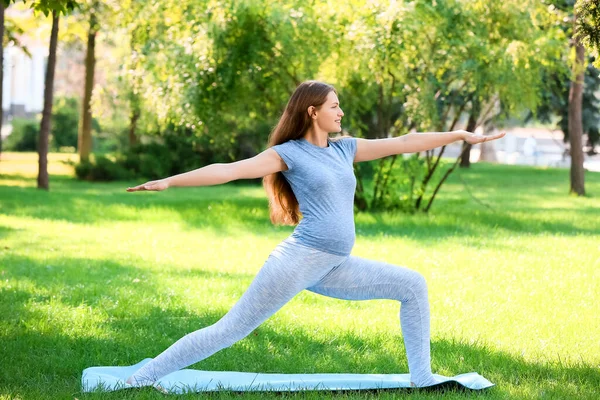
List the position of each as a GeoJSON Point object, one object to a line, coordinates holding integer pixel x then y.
{"type": "Point", "coordinates": [191, 380]}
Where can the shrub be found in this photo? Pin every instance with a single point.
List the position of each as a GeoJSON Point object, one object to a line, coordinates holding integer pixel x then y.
{"type": "Point", "coordinates": [102, 169]}
{"type": "Point", "coordinates": [24, 135]}
{"type": "Point", "coordinates": [152, 160]}
{"type": "Point", "coordinates": [65, 123]}
{"type": "Point", "coordinates": [108, 170]}
{"type": "Point", "coordinates": [83, 170]}
{"type": "Point", "coordinates": [170, 154]}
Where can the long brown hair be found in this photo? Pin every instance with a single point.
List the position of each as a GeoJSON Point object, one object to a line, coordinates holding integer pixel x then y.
{"type": "Point", "coordinates": [293, 124]}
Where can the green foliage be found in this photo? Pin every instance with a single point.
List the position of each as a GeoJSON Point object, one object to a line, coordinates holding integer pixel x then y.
{"type": "Point", "coordinates": [13, 35]}
{"type": "Point", "coordinates": [112, 138]}
{"type": "Point", "coordinates": [218, 74]}
{"type": "Point", "coordinates": [399, 190]}
{"type": "Point", "coordinates": [425, 65]}
{"type": "Point", "coordinates": [588, 26]}
{"type": "Point", "coordinates": [83, 170]}
{"type": "Point", "coordinates": [64, 128]}
{"type": "Point", "coordinates": [223, 71]}
{"type": "Point", "coordinates": [102, 169]}
{"type": "Point", "coordinates": [151, 160]}
{"type": "Point", "coordinates": [65, 122]}
{"type": "Point", "coordinates": [393, 183]}
{"type": "Point", "coordinates": [164, 156]}
{"type": "Point", "coordinates": [555, 102]}
{"type": "Point", "coordinates": [24, 135]}
{"type": "Point", "coordinates": [49, 6]}
{"type": "Point", "coordinates": [422, 54]}
{"type": "Point", "coordinates": [554, 99]}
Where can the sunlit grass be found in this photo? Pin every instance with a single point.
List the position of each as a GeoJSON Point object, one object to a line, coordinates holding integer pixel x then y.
{"type": "Point", "coordinates": [26, 164]}
{"type": "Point", "coordinates": [93, 275]}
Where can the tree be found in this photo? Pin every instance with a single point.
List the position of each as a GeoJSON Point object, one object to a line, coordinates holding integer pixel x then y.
{"type": "Point", "coordinates": [93, 15]}
{"type": "Point", "coordinates": [55, 8]}
{"type": "Point", "coordinates": [211, 73]}
{"type": "Point", "coordinates": [220, 73]}
{"type": "Point", "coordinates": [555, 101]}
{"type": "Point", "coordinates": [425, 65]}
{"type": "Point", "coordinates": [559, 86]}
{"type": "Point", "coordinates": [84, 143]}
{"type": "Point", "coordinates": [1, 69]}
{"type": "Point", "coordinates": [580, 17]}
{"type": "Point", "coordinates": [575, 116]}
{"type": "Point", "coordinates": [42, 180]}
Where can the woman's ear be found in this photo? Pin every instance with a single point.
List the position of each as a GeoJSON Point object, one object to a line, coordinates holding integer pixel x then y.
{"type": "Point", "coordinates": [312, 111]}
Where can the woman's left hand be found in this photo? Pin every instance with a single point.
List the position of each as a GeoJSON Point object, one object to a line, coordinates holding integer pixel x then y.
{"type": "Point", "coordinates": [473, 138]}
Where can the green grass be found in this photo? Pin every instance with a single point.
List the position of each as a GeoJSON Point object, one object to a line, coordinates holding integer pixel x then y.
{"type": "Point", "coordinates": [93, 275]}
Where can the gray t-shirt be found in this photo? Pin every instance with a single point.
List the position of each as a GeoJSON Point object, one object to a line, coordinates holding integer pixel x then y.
{"type": "Point", "coordinates": [322, 178]}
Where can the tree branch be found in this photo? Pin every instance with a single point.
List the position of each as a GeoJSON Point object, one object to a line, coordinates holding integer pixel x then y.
{"type": "Point", "coordinates": [439, 185]}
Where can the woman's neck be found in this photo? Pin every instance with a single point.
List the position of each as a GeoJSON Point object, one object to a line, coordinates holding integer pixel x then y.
{"type": "Point", "coordinates": [317, 137]}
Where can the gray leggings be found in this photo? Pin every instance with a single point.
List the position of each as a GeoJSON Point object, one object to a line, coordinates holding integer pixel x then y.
{"type": "Point", "coordinates": [290, 268]}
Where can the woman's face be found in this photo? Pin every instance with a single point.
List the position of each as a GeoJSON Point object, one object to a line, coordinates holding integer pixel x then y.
{"type": "Point", "coordinates": [329, 116]}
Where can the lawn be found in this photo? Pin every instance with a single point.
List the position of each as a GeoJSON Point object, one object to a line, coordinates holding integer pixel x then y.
{"type": "Point", "coordinates": [93, 275]}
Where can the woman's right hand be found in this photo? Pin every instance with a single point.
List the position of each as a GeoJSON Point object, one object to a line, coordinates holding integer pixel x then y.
{"type": "Point", "coordinates": [152, 185]}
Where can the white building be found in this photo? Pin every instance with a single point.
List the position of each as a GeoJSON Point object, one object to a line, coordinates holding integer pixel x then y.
{"type": "Point", "coordinates": [23, 83]}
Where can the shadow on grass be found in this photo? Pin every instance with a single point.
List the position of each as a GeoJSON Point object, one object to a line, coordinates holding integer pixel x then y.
{"type": "Point", "coordinates": [90, 281]}
{"type": "Point", "coordinates": [75, 280]}
{"type": "Point", "coordinates": [47, 355]}
{"type": "Point", "coordinates": [5, 231]}
{"type": "Point", "coordinates": [225, 210]}
{"type": "Point", "coordinates": [465, 224]}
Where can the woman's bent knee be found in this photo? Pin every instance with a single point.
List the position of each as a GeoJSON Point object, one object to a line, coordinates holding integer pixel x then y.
{"type": "Point", "coordinates": [418, 283]}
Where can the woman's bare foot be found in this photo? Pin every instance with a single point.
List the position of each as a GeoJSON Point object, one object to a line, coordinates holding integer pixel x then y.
{"type": "Point", "coordinates": [161, 389]}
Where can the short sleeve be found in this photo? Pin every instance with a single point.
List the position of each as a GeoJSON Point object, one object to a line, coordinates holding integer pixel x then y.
{"type": "Point", "coordinates": [349, 145]}
{"type": "Point", "coordinates": [285, 152]}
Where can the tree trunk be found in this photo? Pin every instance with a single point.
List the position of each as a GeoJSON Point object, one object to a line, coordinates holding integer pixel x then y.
{"type": "Point", "coordinates": [84, 144]}
{"type": "Point", "coordinates": [1, 69]}
{"type": "Point", "coordinates": [465, 158]}
{"type": "Point", "coordinates": [42, 179]}
{"type": "Point", "coordinates": [488, 152]}
{"type": "Point", "coordinates": [135, 115]}
{"type": "Point", "coordinates": [575, 121]}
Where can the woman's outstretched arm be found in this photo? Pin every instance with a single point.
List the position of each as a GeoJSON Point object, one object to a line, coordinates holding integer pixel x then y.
{"type": "Point", "coordinates": [213, 174]}
{"type": "Point", "coordinates": [265, 163]}
{"type": "Point", "coordinates": [372, 149]}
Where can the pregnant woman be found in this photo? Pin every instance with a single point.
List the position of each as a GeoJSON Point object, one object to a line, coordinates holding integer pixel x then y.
{"type": "Point", "coordinates": [308, 174]}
